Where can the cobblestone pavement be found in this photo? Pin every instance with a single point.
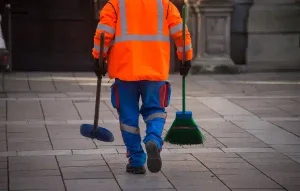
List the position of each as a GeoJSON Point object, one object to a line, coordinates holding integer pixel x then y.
{"type": "Point", "coordinates": [251, 123]}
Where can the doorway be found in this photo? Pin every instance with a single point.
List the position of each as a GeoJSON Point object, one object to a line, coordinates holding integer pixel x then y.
{"type": "Point", "coordinates": [52, 35]}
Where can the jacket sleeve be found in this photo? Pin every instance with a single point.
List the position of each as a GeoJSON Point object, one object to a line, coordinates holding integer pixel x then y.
{"type": "Point", "coordinates": [175, 26]}
{"type": "Point", "coordinates": [107, 24]}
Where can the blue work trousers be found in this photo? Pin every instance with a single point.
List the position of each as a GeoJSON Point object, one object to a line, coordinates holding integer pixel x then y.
{"type": "Point", "coordinates": [125, 98]}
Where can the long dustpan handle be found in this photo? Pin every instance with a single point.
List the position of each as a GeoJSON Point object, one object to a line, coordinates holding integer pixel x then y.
{"type": "Point", "coordinates": [99, 80]}
{"type": "Point", "coordinates": [183, 57]}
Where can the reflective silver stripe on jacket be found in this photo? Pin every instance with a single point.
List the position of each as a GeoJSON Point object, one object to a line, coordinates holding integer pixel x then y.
{"type": "Point", "coordinates": [134, 37]}
{"type": "Point", "coordinates": [187, 48]}
{"type": "Point", "coordinates": [156, 115]}
{"type": "Point", "coordinates": [124, 36]}
{"type": "Point", "coordinates": [97, 48]}
{"type": "Point", "coordinates": [177, 28]}
{"type": "Point", "coordinates": [106, 28]}
{"type": "Point", "coordinates": [129, 129]}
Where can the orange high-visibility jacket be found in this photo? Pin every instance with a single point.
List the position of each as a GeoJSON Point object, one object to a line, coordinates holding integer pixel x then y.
{"type": "Point", "coordinates": [137, 38]}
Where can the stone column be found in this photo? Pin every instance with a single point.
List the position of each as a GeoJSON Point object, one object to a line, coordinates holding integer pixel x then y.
{"type": "Point", "coordinates": [273, 35]}
{"type": "Point", "coordinates": [210, 22]}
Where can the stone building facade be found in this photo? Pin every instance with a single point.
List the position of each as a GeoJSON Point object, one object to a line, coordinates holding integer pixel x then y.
{"type": "Point", "coordinates": [234, 35]}
{"type": "Point", "coordinates": [257, 34]}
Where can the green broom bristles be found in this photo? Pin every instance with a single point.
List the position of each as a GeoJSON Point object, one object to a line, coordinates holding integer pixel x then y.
{"type": "Point", "coordinates": [184, 132]}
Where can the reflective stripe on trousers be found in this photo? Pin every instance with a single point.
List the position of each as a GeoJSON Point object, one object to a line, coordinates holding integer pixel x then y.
{"type": "Point", "coordinates": [156, 115]}
{"type": "Point", "coordinates": [129, 129]}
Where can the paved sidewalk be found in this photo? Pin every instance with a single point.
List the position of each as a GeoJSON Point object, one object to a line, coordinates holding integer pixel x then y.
{"type": "Point", "coordinates": [251, 123]}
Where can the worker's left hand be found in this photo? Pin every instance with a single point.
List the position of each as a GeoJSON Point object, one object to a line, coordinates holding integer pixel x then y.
{"type": "Point", "coordinates": [100, 68]}
{"type": "Point", "coordinates": [184, 68]}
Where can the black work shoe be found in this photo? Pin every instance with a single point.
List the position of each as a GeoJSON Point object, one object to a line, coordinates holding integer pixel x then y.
{"type": "Point", "coordinates": [135, 170]}
{"type": "Point", "coordinates": [154, 162]}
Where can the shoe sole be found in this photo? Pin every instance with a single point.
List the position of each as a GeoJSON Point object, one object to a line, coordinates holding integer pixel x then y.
{"type": "Point", "coordinates": [154, 162]}
{"type": "Point", "coordinates": [136, 171]}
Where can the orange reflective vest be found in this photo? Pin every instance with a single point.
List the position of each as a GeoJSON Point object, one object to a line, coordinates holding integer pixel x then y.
{"type": "Point", "coordinates": [137, 38]}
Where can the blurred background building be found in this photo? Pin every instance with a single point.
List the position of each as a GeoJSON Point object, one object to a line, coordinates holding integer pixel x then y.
{"type": "Point", "coordinates": [57, 35]}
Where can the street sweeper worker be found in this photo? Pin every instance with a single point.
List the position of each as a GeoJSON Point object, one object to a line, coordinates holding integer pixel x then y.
{"type": "Point", "coordinates": [137, 51]}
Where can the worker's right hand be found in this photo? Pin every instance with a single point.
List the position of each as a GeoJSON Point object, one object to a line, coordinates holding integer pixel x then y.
{"type": "Point", "coordinates": [100, 68]}
{"type": "Point", "coordinates": [185, 68]}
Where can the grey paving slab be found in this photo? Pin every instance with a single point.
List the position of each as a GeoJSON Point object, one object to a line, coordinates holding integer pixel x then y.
{"type": "Point", "coordinates": [37, 183]}
{"type": "Point", "coordinates": [3, 165]}
{"type": "Point", "coordinates": [81, 94]}
{"type": "Point", "coordinates": [28, 128]}
{"type": "Point", "coordinates": [33, 173]}
{"type": "Point", "coordinates": [272, 162]}
{"type": "Point", "coordinates": [32, 163]}
{"type": "Point", "coordinates": [189, 166]}
{"type": "Point", "coordinates": [248, 150]}
{"type": "Point", "coordinates": [81, 163]}
{"type": "Point", "coordinates": [275, 136]}
{"type": "Point", "coordinates": [225, 107]}
{"type": "Point", "coordinates": [60, 109]}
{"type": "Point", "coordinates": [143, 182]}
{"type": "Point", "coordinates": [45, 153]}
{"type": "Point", "coordinates": [3, 136]}
{"type": "Point", "coordinates": [92, 185]}
{"type": "Point", "coordinates": [229, 165]}
{"type": "Point", "coordinates": [80, 158]}
{"type": "Point", "coordinates": [103, 115]}
{"type": "Point", "coordinates": [22, 110]}
{"type": "Point", "coordinates": [52, 95]}
{"type": "Point", "coordinates": [291, 126]}
{"type": "Point", "coordinates": [294, 156]}
{"type": "Point", "coordinates": [88, 108]}
{"type": "Point", "coordinates": [86, 172]}
{"type": "Point", "coordinates": [73, 144]}
{"type": "Point", "coordinates": [195, 180]}
{"type": "Point", "coordinates": [64, 131]}
{"type": "Point", "coordinates": [95, 151]}
{"type": "Point", "coordinates": [29, 146]}
{"type": "Point", "coordinates": [3, 172]}
{"type": "Point", "coordinates": [35, 134]}
{"type": "Point", "coordinates": [67, 86]}
{"type": "Point", "coordinates": [270, 112]}
{"type": "Point", "coordinates": [3, 109]}
{"type": "Point", "coordinates": [287, 148]}
{"type": "Point", "coordinates": [221, 129]}
{"type": "Point", "coordinates": [3, 179]}
{"type": "Point", "coordinates": [22, 95]}
{"type": "Point", "coordinates": [267, 155]}
{"type": "Point", "coordinates": [292, 109]}
{"type": "Point", "coordinates": [13, 85]}
{"type": "Point", "coordinates": [241, 118]}
{"type": "Point", "coordinates": [195, 150]}
{"type": "Point", "coordinates": [247, 142]}
{"type": "Point", "coordinates": [258, 189]}
{"type": "Point", "coordinates": [242, 181]}
{"type": "Point", "coordinates": [3, 186]}
{"type": "Point", "coordinates": [41, 85]}
{"type": "Point", "coordinates": [286, 179]}
{"type": "Point", "coordinates": [150, 189]}
{"type": "Point", "coordinates": [219, 158]}
{"type": "Point", "coordinates": [8, 153]}
{"type": "Point", "coordinates": [254, 125]}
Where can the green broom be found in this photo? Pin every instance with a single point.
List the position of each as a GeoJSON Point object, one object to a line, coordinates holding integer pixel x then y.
{"type": "Point", "coordinates": [184, 130]}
